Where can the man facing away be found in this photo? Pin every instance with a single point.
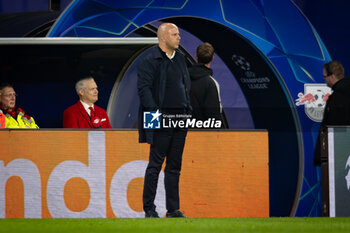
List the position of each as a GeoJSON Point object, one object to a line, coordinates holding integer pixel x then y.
{"type": "Point", "coordinates": [15, 117]}
{"type": "Point", "coordinates": [85, 114]}
{"type": "Point", "coordinates": [163, 84]}
{"type": "Point", "coordinates": [205, 90]}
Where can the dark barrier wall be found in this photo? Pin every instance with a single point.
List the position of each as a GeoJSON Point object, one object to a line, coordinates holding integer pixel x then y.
{"type": "Point", "coordinates": [336, 171]}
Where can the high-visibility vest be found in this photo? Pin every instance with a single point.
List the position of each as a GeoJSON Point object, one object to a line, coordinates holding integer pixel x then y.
{"type": "Point", "coordinates": [2, 120]}
{"type": "Point", "coordinates": [20, 122]}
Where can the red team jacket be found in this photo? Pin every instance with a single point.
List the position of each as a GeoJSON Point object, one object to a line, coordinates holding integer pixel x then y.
{"type": "Point", "coordinates": [76, 117]}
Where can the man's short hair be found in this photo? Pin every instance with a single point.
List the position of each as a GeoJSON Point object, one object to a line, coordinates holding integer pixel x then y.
{"type": "Point", "coordinates": [81, 83]}
{"type": "Point", "coordinates": [4, 85]}
{"type": "Point", "coordinates": [336, 68]}
{"type": "Point", "coordinates": [205, 53]}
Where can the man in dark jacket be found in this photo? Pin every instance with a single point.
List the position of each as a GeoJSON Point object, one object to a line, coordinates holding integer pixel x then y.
{"type": "Point", "coordinates": [205, 90]}
{"type": "Point", "coordinates": [163, 87]}
{"type": "Point", "coordinates": [337, 110]}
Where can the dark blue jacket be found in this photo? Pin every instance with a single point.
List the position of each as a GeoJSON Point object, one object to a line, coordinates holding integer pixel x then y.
{"type": "Point", "coordinates": [151, 82]}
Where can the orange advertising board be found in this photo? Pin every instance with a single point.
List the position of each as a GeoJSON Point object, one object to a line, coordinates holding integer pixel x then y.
{"type": "Point", "coordinates": [99, 174]}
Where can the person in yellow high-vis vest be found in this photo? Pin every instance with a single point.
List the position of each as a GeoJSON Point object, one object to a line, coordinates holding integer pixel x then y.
{"type": "Point", "coordinates": [15, 117]}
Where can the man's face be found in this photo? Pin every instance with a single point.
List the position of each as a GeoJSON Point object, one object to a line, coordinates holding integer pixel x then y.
{"type": "Point", "coordinates": [172, 37]}
{"type": "Point", "coordinates": [8, 98]}
{"type": "Point", "coordinates": [89, 95]}
{"type": "Point", "coordinates": [329, 79]}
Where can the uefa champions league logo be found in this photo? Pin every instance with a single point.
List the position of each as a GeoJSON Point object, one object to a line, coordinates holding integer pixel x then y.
{"type": "Point", "coordinates": [347, 177]}
{"type": "Point", "coordinates": [241, 62]}
{"type": "Point", "coordinates": [314, 99]}
{"type": "Point", "coordinates": [249, 77]}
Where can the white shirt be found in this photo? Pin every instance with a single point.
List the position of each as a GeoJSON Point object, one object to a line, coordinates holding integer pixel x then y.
{"type": "Point", "coordinates": [172, 56]}
{"type": "Point", "coordinates": [86, 106]}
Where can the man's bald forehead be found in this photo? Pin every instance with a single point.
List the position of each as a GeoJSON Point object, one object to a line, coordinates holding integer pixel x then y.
{"type": "Point", "coordinates": [164, 27]}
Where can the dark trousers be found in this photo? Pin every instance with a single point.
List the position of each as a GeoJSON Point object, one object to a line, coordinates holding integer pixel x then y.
{"type": "Point", "coordinates": [167, 143]}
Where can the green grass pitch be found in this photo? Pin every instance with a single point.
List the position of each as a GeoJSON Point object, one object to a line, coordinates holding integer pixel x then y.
{"type": "Point", "coordinates": [184, 225]}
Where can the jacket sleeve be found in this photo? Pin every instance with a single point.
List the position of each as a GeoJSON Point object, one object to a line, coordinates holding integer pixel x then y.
{"type": "Point", "coordinates": [145, 82]}
{"type": "Point", "coordinates": [212, 102]}
{"type": "Point", "coordinates": [69, 119]}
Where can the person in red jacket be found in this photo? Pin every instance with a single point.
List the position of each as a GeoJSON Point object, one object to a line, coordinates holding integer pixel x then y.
{"type": "Point", "coordinates": [85, 114]}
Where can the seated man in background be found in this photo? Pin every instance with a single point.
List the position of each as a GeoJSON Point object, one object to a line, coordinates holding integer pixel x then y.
{"type": "Point", "coordinates": [15, 116]}
{"type": "Point", "coordinates": [84, 114]}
